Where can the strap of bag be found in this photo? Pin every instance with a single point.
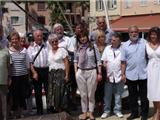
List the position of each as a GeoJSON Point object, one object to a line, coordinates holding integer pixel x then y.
{"type": "Point", "coordinates": [95, 58]}
{"type": "Point", "coordinates": [37, 53]}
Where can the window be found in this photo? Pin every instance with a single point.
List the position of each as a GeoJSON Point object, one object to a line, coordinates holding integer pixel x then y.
{"type": "Point", "coordinates": [99, 5]}
{"type": "Point", "coordinates": [41, 6]}
{"type": "Point", "coordinates": [112, 4]}
{"type": "Point", "coordinates": [143, 2]}
{"type": "Point", "coordinates": [41, 20]}
{"type": "Point", "coordinates": [16, 20]}
{"type": "Point", "coordinates": [128, 3]}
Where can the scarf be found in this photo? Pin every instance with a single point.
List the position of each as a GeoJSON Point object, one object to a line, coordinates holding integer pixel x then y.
{"type": "Point", "coordinates": [82, 55]}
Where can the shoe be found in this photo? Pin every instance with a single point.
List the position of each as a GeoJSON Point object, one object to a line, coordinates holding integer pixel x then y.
{"type": "Point", "coordinates": [132, 116]}
{"type": "Point", "coordinates": [119, 115]}
{"type": "Point", "coordinates": [104, 115]}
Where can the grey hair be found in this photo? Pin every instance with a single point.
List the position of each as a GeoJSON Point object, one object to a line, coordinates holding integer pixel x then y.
{"type": "Point", "coordinates": [52, 37]}
{"type": "Point", "coordinates": [133, 26]}
{"type": "Point", "coordinates": [55, 26]}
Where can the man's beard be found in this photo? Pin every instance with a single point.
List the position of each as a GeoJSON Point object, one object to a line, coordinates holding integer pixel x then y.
{"type": "Point", "coordinates": [60, 35]}
{"type": "Point", "coordinates": [134, 38]}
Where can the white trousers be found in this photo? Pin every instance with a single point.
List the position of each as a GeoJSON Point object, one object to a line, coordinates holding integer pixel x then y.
{"type": "Point", "coordinates": [87, 84]}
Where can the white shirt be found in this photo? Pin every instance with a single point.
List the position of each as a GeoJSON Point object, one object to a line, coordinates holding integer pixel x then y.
{"type": "Point", "coordinates": [66, 43]}
{"type": "Point", "coordinates": [41, 60]}
{"type": "Point", "coordinates": [113, 58]}
{"type": "Point", "coordinates": [55, 60]}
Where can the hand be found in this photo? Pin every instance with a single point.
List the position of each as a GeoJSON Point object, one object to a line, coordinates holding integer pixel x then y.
{"type": "Point", "coordinates": [99, 77]}
{"type": "Point", "coordinates": [35, 76]}
{"type": "Point", "coordinates": [123, 77]}
{"type": "Point", "coordinates": [66, 78]}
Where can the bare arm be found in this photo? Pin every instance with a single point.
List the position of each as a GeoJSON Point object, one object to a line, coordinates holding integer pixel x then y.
{"type": "Point", "coordinates": [34, 72]}
{"type": "Point", "coordinates": [123, 70]}
{"type": "Point", "coordinates": [66, 63]}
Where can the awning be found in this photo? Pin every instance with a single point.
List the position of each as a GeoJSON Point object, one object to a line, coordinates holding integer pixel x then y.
{"type": "Point", "coordinates": [144, 22]}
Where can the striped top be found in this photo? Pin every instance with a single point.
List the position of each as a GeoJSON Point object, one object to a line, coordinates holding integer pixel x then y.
{"type": "Point", "coordinates": [19, 62]}
{"type": "Point", "coordinates": [42, 59]}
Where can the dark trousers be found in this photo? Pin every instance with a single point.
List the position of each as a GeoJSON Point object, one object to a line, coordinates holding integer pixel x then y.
{"type": "Point", "coordinates": [42, 79]}
{"type": "Point", "coordinates": [138, 89]}
{"type": "Point", "coordinates": [18, 89]}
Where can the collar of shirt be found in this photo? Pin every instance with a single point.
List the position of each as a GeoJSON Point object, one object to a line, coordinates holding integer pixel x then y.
{"type": "Point", "coordinates": [35, 44]}
{"type": "Point", "coordinates": [61, 40]}
{"type": "Point", "coordinates": [106, 31]}
{"type": "Point", "coordinates": [138, 41]}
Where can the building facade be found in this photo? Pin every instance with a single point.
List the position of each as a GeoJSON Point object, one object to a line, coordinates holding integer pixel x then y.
{"type": "Point", "coordinates": [123, 13]}
{"type": "Point", "coordinates": [14, 18]}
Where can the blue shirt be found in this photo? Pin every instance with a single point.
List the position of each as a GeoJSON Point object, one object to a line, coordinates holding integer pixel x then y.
{"type": "Point", "coordinates": [135, 57]}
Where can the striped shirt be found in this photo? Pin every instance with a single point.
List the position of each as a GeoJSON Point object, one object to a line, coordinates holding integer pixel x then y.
{"type": "Point", "coordinates": [42, 59]}
{"type": "Point", "coordinates": [19, 62]}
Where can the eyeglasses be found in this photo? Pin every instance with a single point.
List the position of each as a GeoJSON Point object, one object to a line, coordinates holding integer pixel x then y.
{"type": "Point", "coordinates": [55, 41]}
{"type": "Point", "coordinates": [101, 22]}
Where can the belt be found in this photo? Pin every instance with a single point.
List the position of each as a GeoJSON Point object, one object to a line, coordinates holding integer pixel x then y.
{"type": "Point", "coordinates": [41, 67]}
{"type": "Point", "coordinates": [87, 68]}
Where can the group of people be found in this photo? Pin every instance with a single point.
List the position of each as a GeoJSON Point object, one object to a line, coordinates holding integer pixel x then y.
{"type": "Point", "coordinates": [97, 63]}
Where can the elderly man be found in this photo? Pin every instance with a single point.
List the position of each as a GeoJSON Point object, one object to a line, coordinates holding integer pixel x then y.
{"type": "Point", "coordinates": [64, 41]}
{"type": "Point", "coordinates": [133, 65]}
{"type": "Point", "coordinates": [39, 67]}
{"type": "Point", "coordinates": [101, 25]}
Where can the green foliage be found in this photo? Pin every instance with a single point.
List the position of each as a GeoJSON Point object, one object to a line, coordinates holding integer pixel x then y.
{"type": "Point", "coordinates": [56, 14]}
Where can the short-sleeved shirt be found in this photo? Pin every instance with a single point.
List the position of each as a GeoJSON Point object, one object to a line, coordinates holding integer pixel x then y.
{"type": "Point", "coordinates": [42, 58]}
{"type": "Point", "coordinates": [55, 60]}
{"type": "Point", "coordinates": [113, 58]}
{"type": "Point", "coordinates": [19, 62]}
{"type": "Point", "coordinates": [135, 56]}
{"type": "Point", "coordinates": [4, 62]}
{"type": "Point", "coordinates": [66, 43]}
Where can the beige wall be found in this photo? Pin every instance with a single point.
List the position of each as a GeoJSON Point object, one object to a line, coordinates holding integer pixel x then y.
{"type": "Point", "coordinates": [13, 10]}
{"type": "Point", "coordinates": [113, 13]}
{"type": "Point", "coordinates": [33, 10]}
{"type": "Point", "coordinates": [136, 8]}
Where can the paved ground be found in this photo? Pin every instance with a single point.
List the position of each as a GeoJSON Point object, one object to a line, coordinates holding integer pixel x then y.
{"type": "Point", "coordinates": [75, 114]}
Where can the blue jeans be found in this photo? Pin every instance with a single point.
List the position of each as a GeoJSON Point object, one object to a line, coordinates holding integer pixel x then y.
{"type": "Point", "coordinates": [116, 89]}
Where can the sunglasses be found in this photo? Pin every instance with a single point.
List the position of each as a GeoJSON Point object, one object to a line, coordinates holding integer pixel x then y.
{"type": "Point", "coordinates": [55, 41]}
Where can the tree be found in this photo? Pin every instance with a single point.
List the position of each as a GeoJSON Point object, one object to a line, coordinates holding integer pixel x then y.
{"type": "Point", "coordinates": [57, 14]}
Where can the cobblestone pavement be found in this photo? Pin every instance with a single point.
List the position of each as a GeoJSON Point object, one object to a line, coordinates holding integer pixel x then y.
{"type": "Point", "coordinates": [75, 114]}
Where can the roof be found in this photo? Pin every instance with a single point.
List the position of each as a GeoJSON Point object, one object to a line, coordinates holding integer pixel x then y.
{"type": "Point", "coordinates": [144, 22]}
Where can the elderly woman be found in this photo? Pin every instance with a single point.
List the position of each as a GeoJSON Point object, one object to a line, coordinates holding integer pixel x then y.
{"type": "Point", "coordinates": [19, 73]}
{"type": "Point", "coordinates": [86, 58]}
{"type": "Point", "coordinates": [58, 74]}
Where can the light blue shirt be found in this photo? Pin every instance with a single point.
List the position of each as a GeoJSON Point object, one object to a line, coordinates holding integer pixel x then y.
{"type": "Point", "coordinates": [135, 57]}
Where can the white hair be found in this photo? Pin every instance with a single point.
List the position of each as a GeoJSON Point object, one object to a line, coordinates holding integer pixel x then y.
{"type": "Point", "coordinates": [55, 26]}
{"type": "Point", "coordinates": [52, 37]}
